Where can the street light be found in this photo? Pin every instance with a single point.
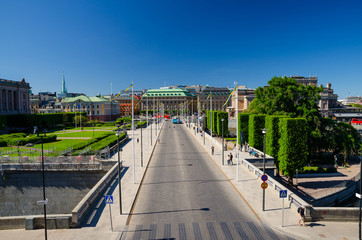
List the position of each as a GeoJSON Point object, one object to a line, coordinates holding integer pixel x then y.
{"type": "Point", "coordinates": [45, 201]}
{"type": "Point", "coordinates": [360, 192]}
{"type": "Point", "coordinates": [264, 133]}
{"type": "Point", "coordinates": [118, 132]}
{"type": "Point", "coordinates": [222, 145]}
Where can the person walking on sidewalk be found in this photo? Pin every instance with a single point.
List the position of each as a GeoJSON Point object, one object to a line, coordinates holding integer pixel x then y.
{"type": "Point", "coordinates": [301, 214]}
{"type": "Point", "coordinates": [212, 150]}
{"type": "Point", "coordinates": [231, 159]}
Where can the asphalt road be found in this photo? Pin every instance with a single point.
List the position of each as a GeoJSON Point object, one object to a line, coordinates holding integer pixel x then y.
{"type": "Point", "coordinates": [185, 196]}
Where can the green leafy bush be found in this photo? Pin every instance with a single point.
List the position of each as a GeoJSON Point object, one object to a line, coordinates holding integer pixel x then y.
{"type": "Point", "coordinates": [84, 144]}
{"type": "Point", "coordinates": [32, 139]}
{"type": "Point", "coordinates": [3, 143]}
{"type": "Point", "coordinates": [222, 127]}
{"type": "Point", "coordinates": [293, 149]}
{"type": "Point", "coordinates": [243, 126]}
{"type": "Point", "coordinates": [256, 137]}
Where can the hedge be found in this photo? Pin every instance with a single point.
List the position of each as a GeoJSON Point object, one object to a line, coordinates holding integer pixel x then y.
{"type": "Point", "coordinates": [3, 143]}
{"type": "Point", "coordinates": [293, 149]}
{"type": "Point", "coordinates": [243, 125]}
{"type": "Point", "coordinates": [2, 121]}
{"type": "Point", "coordinates": [272, 137]}
{"type": "Point", "coordinates": [256, 137]}
{"type": "Point", "coordinates": [208, 117]}
{"type": "Point", "coordinates": [108, 141]}
{"type": "Point", "coordinates": [225, 130]}
{"type": "Point", "coordinates": [43, 120]}
{"type": "Point", "coordinates": [83, 144]}
{"type": "Point", "coordinates": [32, 139]}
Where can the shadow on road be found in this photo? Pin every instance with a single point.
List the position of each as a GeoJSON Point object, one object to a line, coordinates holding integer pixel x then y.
{"type": "Point", "coordinates": [183, 210]}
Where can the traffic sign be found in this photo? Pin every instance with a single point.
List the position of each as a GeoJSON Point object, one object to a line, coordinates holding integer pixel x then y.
{"type": "Point", "coordinates": [264, 185]}
{"type": "Point", "coordinates": [108, 199]}
{"type": "Point", "coordinates": [282, 193]}
{"type": "Point", "coordinates": [264, 178]}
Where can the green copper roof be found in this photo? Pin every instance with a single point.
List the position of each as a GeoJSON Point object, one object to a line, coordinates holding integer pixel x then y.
{"type": "Point", "coordinates": [84, 99]}
{"type": "Point", "coordinates": [174, 92]}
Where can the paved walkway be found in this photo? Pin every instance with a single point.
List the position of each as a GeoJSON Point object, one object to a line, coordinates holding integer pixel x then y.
{"type": "Point", "coordinates": [248, 185]}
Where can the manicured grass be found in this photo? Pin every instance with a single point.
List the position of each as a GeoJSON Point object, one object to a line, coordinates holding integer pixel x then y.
{"type": "Point", "coordinates": [80, 134]}
{"type": "Point", "coordinates": [57, 146]}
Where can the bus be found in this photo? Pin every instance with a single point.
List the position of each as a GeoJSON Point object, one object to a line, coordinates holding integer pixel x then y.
{"type": "Point", "coordinates": [356, 121]}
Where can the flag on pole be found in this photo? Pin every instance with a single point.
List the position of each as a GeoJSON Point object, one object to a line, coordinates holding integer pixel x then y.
{"type": "Point", "coordinates": [206, 100]}
{"type": "Point", "coordinates": [139, 100]}
{"type": "Point", "coordinates": [122, 92]}
{"type": "Point", "coordinates": [229, 96]}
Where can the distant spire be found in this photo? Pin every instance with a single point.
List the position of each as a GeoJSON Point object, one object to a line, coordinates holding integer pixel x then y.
{"type": "Point", "coordinates": [64, 89]}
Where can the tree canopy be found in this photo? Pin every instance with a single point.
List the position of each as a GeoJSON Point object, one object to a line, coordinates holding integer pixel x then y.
{"type": "Point", "coordinates": [285, 96]}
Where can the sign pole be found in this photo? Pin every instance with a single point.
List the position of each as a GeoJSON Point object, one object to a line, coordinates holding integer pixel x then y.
{"type": "Point", "coordinates": [110, 214]}
{"type": "Point", "coordinates": [283, 214]}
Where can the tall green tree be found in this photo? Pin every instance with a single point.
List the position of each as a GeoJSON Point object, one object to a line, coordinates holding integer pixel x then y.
{"type": "Point", "coordinates": [293, 149]}
{"type": "Point", "coordinates": [285, 96]}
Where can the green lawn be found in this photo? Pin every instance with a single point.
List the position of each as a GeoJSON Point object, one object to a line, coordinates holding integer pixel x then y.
{"type": "Point", "coordinates": [58, 146]}
{"type": "Point", "coordinates": [79, 134]}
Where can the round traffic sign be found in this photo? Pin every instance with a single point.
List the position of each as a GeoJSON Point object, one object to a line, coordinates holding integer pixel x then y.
{"type": "Point", "coordinates": [264, 178]}
{"type": "Point", "coordinates": [264, 185]}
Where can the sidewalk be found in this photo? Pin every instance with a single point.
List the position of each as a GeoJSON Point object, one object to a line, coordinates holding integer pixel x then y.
{"type": "Point", "coordinates": [249, 187]}
{"type": "Point", "coordinates": [130, 183]}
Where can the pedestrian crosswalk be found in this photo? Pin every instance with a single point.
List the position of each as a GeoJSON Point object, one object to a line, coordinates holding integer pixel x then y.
{"type": "Point", "coordinates": [198, 231]}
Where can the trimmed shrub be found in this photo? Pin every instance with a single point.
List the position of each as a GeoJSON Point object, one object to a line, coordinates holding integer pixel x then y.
{"type": "Point", "coordinates": [3, 143]}
{"type": "Point", "coordinates": [256, 137]}
{"type": "Point", "coordinates": [225, 129]}
{"type": "Point", "coordinates": [243, 126]}
{"type": "Point", "coordinates": [272, 137]}
{"type": "Point", "coordinates": [32, 139]}
{"type": "Point", "coordinates": [2, 121]}
{"type": "Point", "coordinates": [293, 149]}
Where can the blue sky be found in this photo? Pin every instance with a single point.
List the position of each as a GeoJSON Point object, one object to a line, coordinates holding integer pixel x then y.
{"type": "Point", "coordinates": [154, 43]}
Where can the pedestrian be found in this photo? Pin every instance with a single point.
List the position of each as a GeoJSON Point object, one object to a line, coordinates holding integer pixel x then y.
{"type": "Point", "coordinates": [228, 160]}
{"type": "Point", "coordinates": [301, 215]}
{"type": "Point", "coordinates": [138, 140]}
{"type": "Point", "coordinates": [212, 149]}
{"type": "Point", "coordinates": [231, 159]}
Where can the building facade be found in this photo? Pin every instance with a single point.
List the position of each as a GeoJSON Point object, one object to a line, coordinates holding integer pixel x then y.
{"type": "Point", "coordinates": [245, 97]}
{"type": "Point", "coordinates": [96, 108]}
{"type": "Point", "coordinates": [171, 100]}
{"type": "Point", "coordinates": [329, 99]}
{"type": "Point", "coordinates": [217, 99]}
{"type": "Point", "coordinates": [14, 97]}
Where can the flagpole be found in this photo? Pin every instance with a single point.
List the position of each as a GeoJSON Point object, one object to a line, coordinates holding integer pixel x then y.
{"type": "Point", "coordinates": [211, 117]}
{"type": "Point", "coordinates": [148, 140]}
{"type": "Point", "coordinates": [237, 133]}
{"type": "Point", "coordinates": [134, 160]}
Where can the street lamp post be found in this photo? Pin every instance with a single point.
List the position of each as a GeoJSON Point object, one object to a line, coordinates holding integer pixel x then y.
{"type": "Point", "coordinates": [118, 132]}
{"type": "Point", "coordinates": [44, 202]}
{"type": "Point", "coordinates": [360, 200]}
{"type": "Point", "coordinates": [222, 145]}
{"type": "Point", "coordinates": [141, 146]}
{"type": "Point", "coordinates": [264, 133]}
